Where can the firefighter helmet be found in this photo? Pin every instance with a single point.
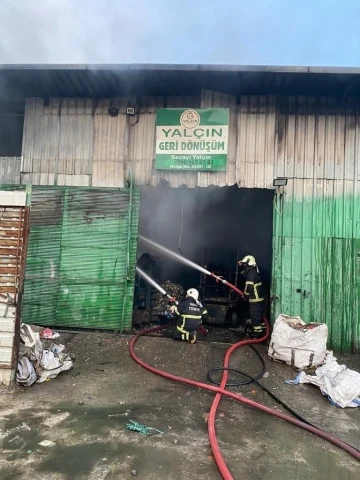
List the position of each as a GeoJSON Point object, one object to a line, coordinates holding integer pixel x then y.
{"type": "Point", "coordinates": [193, 293]}
{"type": "Point", "coordinates": [249, 260]}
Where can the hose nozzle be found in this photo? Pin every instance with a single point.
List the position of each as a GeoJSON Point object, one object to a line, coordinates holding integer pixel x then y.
{"type": "Point", "coordinates": [219, 279]}
{"type": "Point", "coordinates": [172, 299]}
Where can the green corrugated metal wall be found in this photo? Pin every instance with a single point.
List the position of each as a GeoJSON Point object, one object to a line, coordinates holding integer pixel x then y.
{"type": "Point", "coordinates": [81, 257]}
{"type": "Point", "coordinates": [316, 265]}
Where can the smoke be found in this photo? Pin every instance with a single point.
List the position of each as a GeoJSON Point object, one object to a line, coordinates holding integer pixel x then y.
{"type": "Point", "coordinates": [218, 223]}
{"type": "Point", "coordinates": [76, 31]}
{"type": "Point", "coordinates": [264, 32]}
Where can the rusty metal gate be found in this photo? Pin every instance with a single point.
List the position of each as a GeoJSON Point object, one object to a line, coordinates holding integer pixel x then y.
{"type": "Point", "coordinates": [13, 228]}
{"type": "Point", "coordinates": [11, 243]}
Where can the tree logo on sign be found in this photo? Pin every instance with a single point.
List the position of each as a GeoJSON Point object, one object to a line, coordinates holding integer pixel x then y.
{"type": "Point", "coordinates": [190, 119]}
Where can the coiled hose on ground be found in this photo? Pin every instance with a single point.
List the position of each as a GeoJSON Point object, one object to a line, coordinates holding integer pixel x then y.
{"type": "Point", "coordinates": [225, 472]}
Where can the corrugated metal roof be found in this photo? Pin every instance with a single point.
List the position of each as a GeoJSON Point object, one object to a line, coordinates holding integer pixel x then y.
{"type": "Point", "coordinates": [297, 137]}
{"type": "Point", "coordinates": [318, 138]}
{"type": "Point", "coordinates": [110, 143]}
{"type": "Point", "coordinates": [317, 219]}
{"type": "Point", "coordinates": [141, 138]}
{"type": "Point", "coordinates": [58, 138]}
{"type": "Point", "coordinates": [256, 148]}
{"type": "Point", "coordinates": [21, 81]}
{"type": "Point", "coordinates": [49, 179]}
{"type": "Point", "coordinates": [210, 99]}
{"type": "Point", "coordinates": [186, 67]}
{"type": "Point", "coordinates": [10, 170]}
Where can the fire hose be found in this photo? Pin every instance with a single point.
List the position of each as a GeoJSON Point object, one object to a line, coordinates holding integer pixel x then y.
{"type": "Point", "coordinates": [221, 389]}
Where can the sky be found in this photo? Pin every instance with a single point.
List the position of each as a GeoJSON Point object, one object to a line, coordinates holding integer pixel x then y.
{"type": "Point", "coordinates": [244, 32]}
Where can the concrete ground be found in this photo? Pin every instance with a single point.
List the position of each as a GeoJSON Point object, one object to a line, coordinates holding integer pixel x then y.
{"type": "Point", "coordinates": [84, 412]}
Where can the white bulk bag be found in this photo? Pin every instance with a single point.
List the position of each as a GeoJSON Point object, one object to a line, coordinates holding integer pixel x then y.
{"type": "Point", "coordinates": [52, 364]}
{"type": "Point", "coordinates": [25, 374]}
{"type": "Point", "coordinates": [337, 382]}
{"type": "Point", "coordinates": [30, 344]}
{"type": "Point", "coordinates": [298, 344]}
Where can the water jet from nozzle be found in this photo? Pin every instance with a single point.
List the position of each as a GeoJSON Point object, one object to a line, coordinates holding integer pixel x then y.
{"type": "Point", "coordinates": [176, 256]}
{"type": "Point", "coordinates": [150, 280]}
{"type": "Point", "coordinates": [189, 263]}
{"type": "Point", "coordinates": [153, 283]}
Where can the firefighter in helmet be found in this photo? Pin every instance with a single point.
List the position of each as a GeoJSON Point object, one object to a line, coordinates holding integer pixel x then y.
{"type": "Point", "coordinates": [190, 313]}
{"type": "Point", "coordinates": [254, 294]}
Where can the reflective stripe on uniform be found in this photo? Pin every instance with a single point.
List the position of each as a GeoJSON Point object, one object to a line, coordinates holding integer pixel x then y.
{"type": "Point", "coordinates": [262, 326]}
{"type": "Point", "coordinates": [246, 285]}
{"type": "Point", "coordinates": [256, 293]}
{"type": "Point", "coordinates": [255, 289]}
{"type": "Point", "coordinates": [189, 317]}
{"type": "Point", "coordinates": [185, 333]}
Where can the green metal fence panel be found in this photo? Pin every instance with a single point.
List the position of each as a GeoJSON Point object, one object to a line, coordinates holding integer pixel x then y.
{"type": "Point", "coordinates": [316, 266]}
{"type": "Point", "coordinates": [356, 340]}
{"type": "Point", "coordinates": [81, 257]}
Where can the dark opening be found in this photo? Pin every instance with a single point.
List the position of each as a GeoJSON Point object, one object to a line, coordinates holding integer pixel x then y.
{"type": "Point", "coordinates": [212, 226]}
{"type": "Point", "coordinates": [11, 134]}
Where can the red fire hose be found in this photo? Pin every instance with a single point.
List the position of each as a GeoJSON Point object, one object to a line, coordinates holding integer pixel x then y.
{"type": "Point", "coordinates": [225, 472]}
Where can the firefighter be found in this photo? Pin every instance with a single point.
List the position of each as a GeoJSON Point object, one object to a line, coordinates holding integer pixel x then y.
{"type": "Point", "coordinates": [253, 293]}
{"type": "Point", "coordinates": [190, 313]}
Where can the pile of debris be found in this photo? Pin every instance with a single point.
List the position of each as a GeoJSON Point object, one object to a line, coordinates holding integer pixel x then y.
{"type": "Point", "coordinates": [38, 364]}
{"type": "Point", "coordinates": [216, 313]}
{"type": "Point", "coordinates": [161, 303]}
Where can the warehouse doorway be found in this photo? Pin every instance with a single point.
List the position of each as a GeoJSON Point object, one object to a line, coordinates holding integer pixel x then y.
{"type": "Point", "coordinates": [212, 226]}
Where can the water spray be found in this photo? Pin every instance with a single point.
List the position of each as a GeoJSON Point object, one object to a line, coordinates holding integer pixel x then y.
{"type": "Point", "coordinates": [154, 284]}
{"type": "Point", "coordinates": [221, 390]}
{"type": "Point", "coordinates": [161, 290]}
{"type": "Point", "coordinates": [189, 263]}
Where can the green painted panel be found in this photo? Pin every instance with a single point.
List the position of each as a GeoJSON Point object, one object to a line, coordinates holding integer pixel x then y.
{"type": "Point", "coordinates": [356, 320]}
{"type": "Point", "coordinates": [131, 261]}
{"type": "Point", "coordinates": [321, 217]}
{"type": "Point", "coordinates": [316, 273]}
{"type": "Point", "coordinates": [97, 264]}
{"type": "Point", "coordinates": [335, 290]}
{"type": "Point", "coordinates": [292, 273]}
{"type": "Point", "coordinates": [316, 279]}
{"type": "Point", "coordinates": [81, 257]}
{"type": "Point", "coordinates": [39, 305]}
{"type": "Point", "coordinates": [90, 305]}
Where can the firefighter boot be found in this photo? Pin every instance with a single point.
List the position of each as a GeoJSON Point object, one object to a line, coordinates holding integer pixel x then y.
{"type": "Point", "coordinates": [192, 337]}
{"type": "Point", "coordinates": [258, 331]}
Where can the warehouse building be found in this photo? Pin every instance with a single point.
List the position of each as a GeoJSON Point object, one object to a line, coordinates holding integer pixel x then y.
{"type": "Point", "coordinates": [214, 161]}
